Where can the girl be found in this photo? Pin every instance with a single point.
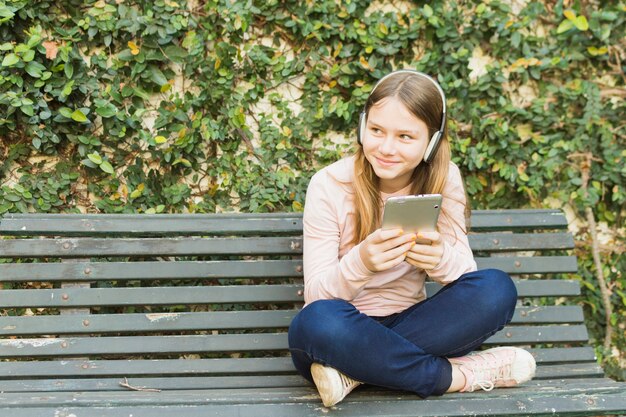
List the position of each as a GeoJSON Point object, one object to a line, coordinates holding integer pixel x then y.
{"type": "Point", "coordinates": [366, 317]}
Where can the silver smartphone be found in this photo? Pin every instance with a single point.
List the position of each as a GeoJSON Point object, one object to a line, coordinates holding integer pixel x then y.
{"type": "Point", "coordinates": [412, 213]}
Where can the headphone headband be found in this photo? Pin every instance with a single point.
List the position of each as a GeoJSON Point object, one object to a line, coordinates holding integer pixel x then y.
{"type": "Point", "coordinates": [436, 138]}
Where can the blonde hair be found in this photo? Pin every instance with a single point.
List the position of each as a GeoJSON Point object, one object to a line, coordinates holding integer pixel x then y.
{"type": "Point", "coordinates": [421, 97]}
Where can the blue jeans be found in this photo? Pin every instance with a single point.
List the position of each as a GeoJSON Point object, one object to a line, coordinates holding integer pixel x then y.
{"type": "Point", "coordinates": [405, 351]}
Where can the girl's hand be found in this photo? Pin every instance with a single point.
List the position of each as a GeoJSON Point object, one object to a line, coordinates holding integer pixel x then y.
{"type": "Point", "coordinates": [384, 249]}
{"type": "Point", "coordinates": [425, 255]}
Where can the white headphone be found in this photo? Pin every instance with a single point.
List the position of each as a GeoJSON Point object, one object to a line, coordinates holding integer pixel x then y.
{"type": "Point", "coordinates": [433, 144]}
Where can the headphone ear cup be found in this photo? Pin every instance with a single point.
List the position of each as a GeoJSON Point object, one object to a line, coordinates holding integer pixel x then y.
{"type": "Point", "coordinates": [431, 149]}
{"type": "Point", "coordinates": [360, 133]}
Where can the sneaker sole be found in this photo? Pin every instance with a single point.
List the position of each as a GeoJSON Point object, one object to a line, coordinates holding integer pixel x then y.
{"type": "Point", "coordinates": [325, 387]}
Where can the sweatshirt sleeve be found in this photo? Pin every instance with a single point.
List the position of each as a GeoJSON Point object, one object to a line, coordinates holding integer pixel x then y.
{"type": "Point", "coordinates": [457, 256]}
{"type": "Point", "coordinates": [325, 275]}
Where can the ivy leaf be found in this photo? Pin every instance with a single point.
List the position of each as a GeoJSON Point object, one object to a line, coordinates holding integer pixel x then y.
{"type": "Point", "coordinates": [157, 76]}
{"type": "Point", "coordinates": [428, 11]}
{"type": "Point", "coordinates": [176, 53]}
{"type": "Point", "coordinates": [66, 112]}
{"type": "Point", "coordinates": [581, 23]}
{"type": "Point", "coordinates": [564, 26]}
{"type": "Point", "coordinates": [160, 139]}
{"type": "Point", "coordinates": [10, 60]}
{"type": "Point", "coordinates": [34, 69]}
{"type": "Point", "coordinates": [79, 116]}
{"type": "Point", "coordinates": [107, 167]}
{"type": "Point", "coordinates": [95, 158]}
{"type": "Point", "coordinates": [107, 110]}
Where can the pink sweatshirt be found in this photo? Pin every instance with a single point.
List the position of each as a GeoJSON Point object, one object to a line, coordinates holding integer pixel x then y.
{"type": "Point", "coordinates": [333, 267]}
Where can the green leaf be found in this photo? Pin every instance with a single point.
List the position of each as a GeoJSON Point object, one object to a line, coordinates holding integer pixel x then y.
{"type": "Point", "coordinates": [428, 11]}
{"type": "Point", "coordinates": [157, 76]}
{"type": "Point", "coordinates": [106, 111]}
{"type": "Point", "coordinates": [27, 110]}
{"type": "Point", "coordinates": [160, 139]}
{"type": "Point", "coordinates": [10, 60]}
{"type": "Point", "coordinates": [176, 53]}
{"type": "Point", "coordinates": [95, 158]}
{"type": "Point", "coordinates": [69, 70]}
{"type": "Point", "coordinates": [107, 167]}
{"type": "Point", "coordinates": [565, 26]}
{"type": "Point", "coordinates": [35, 69]}
{"type": "Point", "coordinates": [581, 23]}
{"type": "Point", "coordinates": [79, 116]}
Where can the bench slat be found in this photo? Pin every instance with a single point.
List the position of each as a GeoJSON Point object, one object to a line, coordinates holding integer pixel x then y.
{"type": "Point", "coordinates": [150, 270]}
{"type": "Point", "coordinates": [86, 297]}
{"type": "Point", "coordinates": [225, 366]}
{"type": "Point", "coordinates": [531, 288]}
{"type": "Point", "coordinates": [215, 320]}
{"type": "Point", "coordinates": [224, 382]}
{"type": "Point", "coordinates": [229, 223]}
{"type": "Point", "coordinates": [189, 246]}
{"type": "Point", "coordinates": [550, 398]}
{"type": "Point", "coordinates": [530, 265]}
{"type": "Point", "coordinates": [74, 346]}
{"type": "Point", "coordinates": [169, 246]}
{"type": "Point", "coordinates": [502, 242]}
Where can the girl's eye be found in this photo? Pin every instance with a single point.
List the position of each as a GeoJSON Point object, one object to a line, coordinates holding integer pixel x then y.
{"type": "Point", "coordinates": [406, 137]}
{"type": "Point", "coordinates": [375, 130]}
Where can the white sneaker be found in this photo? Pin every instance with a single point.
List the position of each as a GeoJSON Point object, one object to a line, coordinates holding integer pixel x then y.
{"type": "Point", "coordinates": [332, 385]}
{"type": "Point", "coordinates": [496, 367]}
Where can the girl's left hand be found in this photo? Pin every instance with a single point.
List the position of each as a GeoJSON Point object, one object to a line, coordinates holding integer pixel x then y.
{"type": "Point", "coordinates": [425, 255]}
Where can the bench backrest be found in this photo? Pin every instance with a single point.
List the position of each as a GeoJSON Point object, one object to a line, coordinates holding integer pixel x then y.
{"type": "Point", "coordinates": [197, 301]}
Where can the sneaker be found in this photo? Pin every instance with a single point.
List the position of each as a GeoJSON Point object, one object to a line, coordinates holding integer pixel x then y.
{"type": "Point", "coordinates": [496, 367]}
{"type": "Point", "coordinates": [331, 384]}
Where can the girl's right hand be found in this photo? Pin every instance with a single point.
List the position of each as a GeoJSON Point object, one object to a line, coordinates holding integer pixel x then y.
{"type": "Point", "coordinates": [384, 249]}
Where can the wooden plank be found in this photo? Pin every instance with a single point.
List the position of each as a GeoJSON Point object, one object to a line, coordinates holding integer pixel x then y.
{"type": "Point", "coordinates": [167, 383]}
{"type": "Point", "coordinates": [197, 295]}
{"type": "Point", "coordinates": [539, 334]}
{"type": "Point", "coordinates": [189, 246]}
{"type": "Point", "coordinates": [531, 288]}
{"type": "Point", "coordinates": [95, 271]}
{"type": "Point", "coordinates": [125, 323]}
{"type": "Point", "coordinates": [228, 223]}
{"type": "Point", "coordinates": [149, 270]}
{"type": "Point", "coordinates": [149, 224]}
{"type": "Point", "coordinates": [165, 246]}
{"type": "Point", "coordinates": [548, 314]}
{"type": "Point", "coordinates": [536, 219]}
{"type": "Point", "coordinates": [98, 297]}
{"type": "Point", "coordinates": [225, 366]}
{"type": "Point", "coordinates": [529, 265]}
{"type": "Point", "coordinates": [601, 398]}
{"type": "Point", "coordinates": [229, 381]}
{"type": "Point", "coordinates": [502, 242]}
{"type": "Point", "coordinates": [570, 370]}
{"type": "Point", "coordinates": [215, 320]}
{"type": "Point", "coordinates": [145, 367]}
{"type": "Point", "coordinates": [130, 345]}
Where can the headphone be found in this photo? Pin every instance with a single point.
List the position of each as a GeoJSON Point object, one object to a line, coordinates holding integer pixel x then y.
{"type": "Point", "coordinates": [433, 144]}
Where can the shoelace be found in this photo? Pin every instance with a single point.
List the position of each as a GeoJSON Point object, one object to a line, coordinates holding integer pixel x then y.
{"type": "Point", "coordinates": [347, 382]}
{"type": "Point", "coordinates": [486, 378]}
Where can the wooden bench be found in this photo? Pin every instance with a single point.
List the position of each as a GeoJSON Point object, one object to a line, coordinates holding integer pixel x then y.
{"type": "Point", "coordinates": [186, 315]}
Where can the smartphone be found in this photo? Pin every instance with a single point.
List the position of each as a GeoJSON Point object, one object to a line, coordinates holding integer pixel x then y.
{"type": "Point", "coordinates": [412, 213]}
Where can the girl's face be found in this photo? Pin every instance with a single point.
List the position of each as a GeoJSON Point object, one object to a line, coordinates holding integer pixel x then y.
{"type": "Point", "coordinates": [394, 143]}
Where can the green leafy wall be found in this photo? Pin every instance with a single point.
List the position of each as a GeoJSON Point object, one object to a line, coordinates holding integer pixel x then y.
{"type": "Point", "coordinates": [203, 106]}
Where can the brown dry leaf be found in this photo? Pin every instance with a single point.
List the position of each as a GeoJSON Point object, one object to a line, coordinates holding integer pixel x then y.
{"type": "Point", "coordinates": [52, 49]}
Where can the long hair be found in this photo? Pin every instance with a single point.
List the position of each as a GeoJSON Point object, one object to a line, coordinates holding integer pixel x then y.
{"type": "Point", "coordinates": [423, 100]}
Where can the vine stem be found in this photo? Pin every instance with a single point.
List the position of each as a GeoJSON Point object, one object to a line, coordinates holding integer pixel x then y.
{"type": "Point", "coordinates": [595, 249]}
